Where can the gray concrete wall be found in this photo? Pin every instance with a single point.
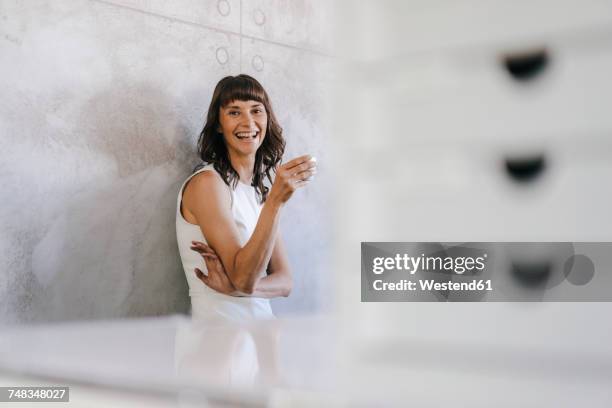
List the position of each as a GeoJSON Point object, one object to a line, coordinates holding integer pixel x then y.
{"type": "Point", "coordinates": [102, 103]}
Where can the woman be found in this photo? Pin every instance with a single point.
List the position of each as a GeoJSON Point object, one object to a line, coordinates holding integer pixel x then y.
{"type": "Point", "coordinates": [225, 213]}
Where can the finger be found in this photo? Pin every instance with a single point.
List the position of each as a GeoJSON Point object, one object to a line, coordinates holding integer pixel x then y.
{"type": "Point", "coordinates": [200, 251]}
{"type": "Point", "coordinates": [210, 256]}
{"type": "Point", "coordinates": [199, 244]}
{"type": "Point", "coordinates": [303, 167]}
{"type": "Point", "coordinates": [206, 248]}
{"type": "Point", "coordinates": [297, 161]}
{"type": "Point", "coordinates": [203, 249]}
{"type": "Point", "coordinates": [196, 246]}
{"type": "Point", "coordinates": [301, 183]}
{"type": "Point", "coordinates": [201, 276]}
{"type": "Point", "coordinates": [304, 175]}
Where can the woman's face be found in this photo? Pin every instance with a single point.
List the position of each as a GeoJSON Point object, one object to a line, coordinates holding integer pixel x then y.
{"type": "Point", "coordinates": [243, 124]}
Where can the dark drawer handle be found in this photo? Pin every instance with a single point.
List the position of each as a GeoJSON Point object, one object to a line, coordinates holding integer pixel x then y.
{"type": "Point", "coordinates": [526, 65]}
{"type": "Point", "coordinates": [531, 275]}
{"type": "Point", "coordinates": [524, 169]}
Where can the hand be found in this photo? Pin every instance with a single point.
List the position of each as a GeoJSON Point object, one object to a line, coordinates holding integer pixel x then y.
{"type": "Point", "coordinates": [291, 176]}
{"type": "Point", "coordinates": [217, 279]}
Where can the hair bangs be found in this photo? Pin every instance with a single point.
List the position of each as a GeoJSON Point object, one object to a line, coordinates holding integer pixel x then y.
{"type": "Point", "coordinates": [241, 89]}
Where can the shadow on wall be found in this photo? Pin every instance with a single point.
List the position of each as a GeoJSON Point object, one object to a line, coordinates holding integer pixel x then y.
{"type": "Point", "coordinates": [110, 249]}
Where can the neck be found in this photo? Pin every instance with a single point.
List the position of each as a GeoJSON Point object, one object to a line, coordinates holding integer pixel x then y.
{"type": "Point", "coordinates": [243, 165]}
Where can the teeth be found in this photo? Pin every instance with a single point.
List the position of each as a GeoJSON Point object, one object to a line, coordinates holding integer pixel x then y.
{"type": "Point", "coordinates": [244, 135]}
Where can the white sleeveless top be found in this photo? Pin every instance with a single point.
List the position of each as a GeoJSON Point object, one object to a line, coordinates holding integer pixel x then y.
{"type": "Point", "coordinates": [206, 303]}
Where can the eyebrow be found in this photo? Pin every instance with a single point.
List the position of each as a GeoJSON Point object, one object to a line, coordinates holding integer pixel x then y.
{"type": "Point", "coordinates": [257, 104]}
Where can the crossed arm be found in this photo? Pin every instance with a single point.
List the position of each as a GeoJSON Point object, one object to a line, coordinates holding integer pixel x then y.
{"type": "Point", "coordinates": [234, 269]}
{"type": "Point", "coordinates": [278, 281]}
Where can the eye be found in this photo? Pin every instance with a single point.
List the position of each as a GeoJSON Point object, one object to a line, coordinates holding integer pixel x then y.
{"type": "Point", "coordinates": [234, 113]}
{"type": "Point", "coordinates": [257, 110]}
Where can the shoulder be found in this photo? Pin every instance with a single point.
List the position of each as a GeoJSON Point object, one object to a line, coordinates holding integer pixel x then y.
{"type": "Point", "coordinates": [206, 184]}
{"type": "Point", "coordinates": [207, 176]}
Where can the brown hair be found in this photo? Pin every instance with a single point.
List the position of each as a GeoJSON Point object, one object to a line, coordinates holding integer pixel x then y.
{"type": "Point", "coordinates": [211, 144]}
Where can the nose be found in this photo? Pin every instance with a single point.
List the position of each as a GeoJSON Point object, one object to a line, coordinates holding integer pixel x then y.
{"type": "Point", "coordinates": [248, 121]}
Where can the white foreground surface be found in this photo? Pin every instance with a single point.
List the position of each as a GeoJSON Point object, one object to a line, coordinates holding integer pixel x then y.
{"type": "Point", "coordinates": [171, 361]}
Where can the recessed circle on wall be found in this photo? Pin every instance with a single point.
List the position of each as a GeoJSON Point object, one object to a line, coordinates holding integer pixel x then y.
{"type": "Point", "coordinates": [223, 7]}
{"type": "Point", "coordinates": [259, 17]}
{"type": "Point", "coordinates": [258, 63]}
{"type": "Point", "coordinates": [579, 269]}
{"type": "Point", "coordinates": [222, 55]}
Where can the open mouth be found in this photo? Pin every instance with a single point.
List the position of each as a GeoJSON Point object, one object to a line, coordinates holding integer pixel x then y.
{"type": "Point", "coordinates": [247, 135]}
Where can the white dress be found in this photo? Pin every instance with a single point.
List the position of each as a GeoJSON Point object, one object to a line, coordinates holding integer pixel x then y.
{"type": "Point", "coordinates": [206, 303]}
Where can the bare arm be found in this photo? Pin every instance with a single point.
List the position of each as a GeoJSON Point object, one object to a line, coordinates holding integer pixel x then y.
{"type": "Point", "coordinates": [278, 282]}
{"type": "Point", "coordinates": [208, 199]}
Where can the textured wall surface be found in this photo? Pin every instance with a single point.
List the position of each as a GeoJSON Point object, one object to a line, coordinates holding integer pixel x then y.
{"type": "Point", "coordinates": [102, 103]}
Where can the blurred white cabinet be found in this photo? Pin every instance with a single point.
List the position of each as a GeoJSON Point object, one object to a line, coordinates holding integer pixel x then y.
{"type": "Point", "coordinates": [481, 120]}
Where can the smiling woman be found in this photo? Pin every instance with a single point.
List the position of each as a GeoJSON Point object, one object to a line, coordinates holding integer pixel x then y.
{"type": "Point", "coordinates": [227, 218]}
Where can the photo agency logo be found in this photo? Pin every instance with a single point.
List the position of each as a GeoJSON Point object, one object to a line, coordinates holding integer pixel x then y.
{"type": "Point", "coordinates": [492, 271]}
